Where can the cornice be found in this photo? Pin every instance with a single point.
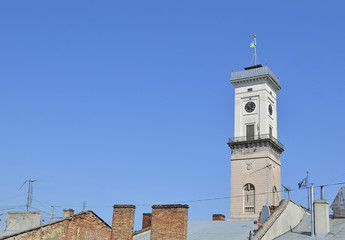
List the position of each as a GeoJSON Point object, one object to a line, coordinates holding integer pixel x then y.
{"type": "Point", "coordinates": [254, 75]}
{"type": "Point", "coordinates": [256, 143]}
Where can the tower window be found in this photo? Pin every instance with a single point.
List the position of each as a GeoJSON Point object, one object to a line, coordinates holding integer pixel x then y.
{"type": "Point", "coordinates": [249, 197]}
{"type": "Point", "coordinates": [250, 89]}
{"type": "Point", "coordinates": [250, 132]}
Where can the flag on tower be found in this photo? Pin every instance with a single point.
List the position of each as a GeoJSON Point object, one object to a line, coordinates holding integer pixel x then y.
{"type": "Point", "coordinates": [303, 183]}
{"type": "Point", "coordinates": [253, 44]}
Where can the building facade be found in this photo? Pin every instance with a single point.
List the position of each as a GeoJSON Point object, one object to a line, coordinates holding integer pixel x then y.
{"type": "Point", "coordinates": [82, 226]}
{"type": "Point", "coordinates": [255, 150]}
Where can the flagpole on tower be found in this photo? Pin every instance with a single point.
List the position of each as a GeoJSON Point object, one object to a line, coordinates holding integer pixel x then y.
{"type": "Point", "coordinates": [308, 188]}
{"type": "Point", "coordinates": [254, 49]}
{"type": "Point", "coordinates": [253, 45]}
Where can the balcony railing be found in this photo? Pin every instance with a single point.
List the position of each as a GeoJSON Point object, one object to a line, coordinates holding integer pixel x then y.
{"type": "Point", "coordinates": [256, 138]}
{"type": "Point", "coordinates": [249, 209]}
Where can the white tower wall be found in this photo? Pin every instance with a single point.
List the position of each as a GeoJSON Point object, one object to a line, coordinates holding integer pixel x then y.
{"type": "Point", "coordinates": [255, 153]}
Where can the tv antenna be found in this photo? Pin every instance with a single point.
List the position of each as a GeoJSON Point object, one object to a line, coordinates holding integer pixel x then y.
{"type": "Point", "coordinates": [30, 190]}
{"type": "Point", "coordinates": [287, 189]}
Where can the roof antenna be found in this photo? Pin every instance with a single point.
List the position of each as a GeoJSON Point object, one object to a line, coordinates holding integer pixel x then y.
{"type": "Point", "coordinates": [30, 189]}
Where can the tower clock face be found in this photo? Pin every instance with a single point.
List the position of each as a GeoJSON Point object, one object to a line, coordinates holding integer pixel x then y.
{"type": "Point", "coordinates": [249, 107]}
{"type": "Point", "coordinates": [270, 109]}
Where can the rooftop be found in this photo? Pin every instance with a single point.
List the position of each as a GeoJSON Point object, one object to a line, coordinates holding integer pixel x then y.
{"type": "Point", "coordinates": [4, 234]}
{"type": "Point", "coordinates": [213, 230]}
{"type": "Point", "coordinates": [254, 72]}
{"type": "Point", "coordinates": [303, 230]}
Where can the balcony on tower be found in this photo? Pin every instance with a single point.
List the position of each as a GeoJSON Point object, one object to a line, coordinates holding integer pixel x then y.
{"type": "Point", "coordinates": [261, 140]}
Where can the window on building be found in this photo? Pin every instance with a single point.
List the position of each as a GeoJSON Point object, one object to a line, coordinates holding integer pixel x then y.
{"type": "Point", "coordinates": [249, 197]}
{"type": "Point", "coordinates": [250, 89]}
{"type": "Point", "coordinates": [250, 132]}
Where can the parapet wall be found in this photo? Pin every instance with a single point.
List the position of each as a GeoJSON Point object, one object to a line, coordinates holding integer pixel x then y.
{"type": "Point", "coordinates": [21, 221]}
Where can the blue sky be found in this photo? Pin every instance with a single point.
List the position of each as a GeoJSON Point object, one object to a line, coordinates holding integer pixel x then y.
{"type": "Point", "coordinates": [130, 102]}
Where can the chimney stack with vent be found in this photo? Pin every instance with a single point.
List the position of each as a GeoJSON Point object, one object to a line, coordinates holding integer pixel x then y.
{"type": "Point", "coordinates": [123, 222]}
{"type": "Point", "coordinates": [169, 222]}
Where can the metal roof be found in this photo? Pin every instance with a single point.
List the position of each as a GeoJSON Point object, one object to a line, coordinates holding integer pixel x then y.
{"type": "Point", "coordinates": [303, 229]}
{"type": "Point", "coordinates": [213, 230]}
{"type": "Point", "coordinates": [252, 73]}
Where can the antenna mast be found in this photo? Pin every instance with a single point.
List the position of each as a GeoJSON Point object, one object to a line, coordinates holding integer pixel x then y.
{"type": "Point", "coordinates": [30, 190]}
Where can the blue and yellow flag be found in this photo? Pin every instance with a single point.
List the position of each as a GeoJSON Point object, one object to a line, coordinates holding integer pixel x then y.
{"type": "Point", "coordinates": [303, 183]}
{"type": "Point", "coordinates": [253, 44]}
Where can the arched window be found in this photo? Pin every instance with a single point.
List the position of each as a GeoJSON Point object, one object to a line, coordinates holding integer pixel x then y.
{"type": "Point", "coordinates": [249, 197]}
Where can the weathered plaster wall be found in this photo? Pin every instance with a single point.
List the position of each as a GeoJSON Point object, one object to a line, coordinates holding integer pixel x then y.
{"type": "Point", "coordinates": [321, 217]}
{"type": "Point", "coordinates": [21, 221]}
{"type": "Point", "coordinates": [287, 216]}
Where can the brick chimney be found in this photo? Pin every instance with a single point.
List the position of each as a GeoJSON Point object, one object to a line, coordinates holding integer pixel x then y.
{"type": "Point", "coordinates": [147, 220]}
{"type": "Point", "coordinates": [123, 222]}
{"type": "Point", "coordinates": [169, 222]}
{"type": "Point", "coordinates": [218, 217]}
{"type": "Point", "coordinates": [67, 213]}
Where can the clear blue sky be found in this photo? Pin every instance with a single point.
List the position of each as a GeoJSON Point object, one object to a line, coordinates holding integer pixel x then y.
{"type": "Point", "coordinates": [130, 102]}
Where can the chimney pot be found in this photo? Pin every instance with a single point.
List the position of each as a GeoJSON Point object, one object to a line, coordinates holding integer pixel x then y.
{"type": "Point", "coordinates": [218, 217]}
{"type": "Point", "coordinates": [67, 213]}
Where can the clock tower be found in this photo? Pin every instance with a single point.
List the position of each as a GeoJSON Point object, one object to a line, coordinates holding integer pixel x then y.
{"type": "Point", "coordinates": [255, 150]}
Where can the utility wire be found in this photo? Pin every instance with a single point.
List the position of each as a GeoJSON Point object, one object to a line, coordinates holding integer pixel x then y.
{"type": "Point", "coordinates": [197, 200]}
{"type": "Point", "coordinates": [11, 197]}
{"type": "Point", "coordinates": [189, 201]}
{"type": "Point", "coordinates": [40, 210]}
{"type": "Point", "coordinates": [343, 174]}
